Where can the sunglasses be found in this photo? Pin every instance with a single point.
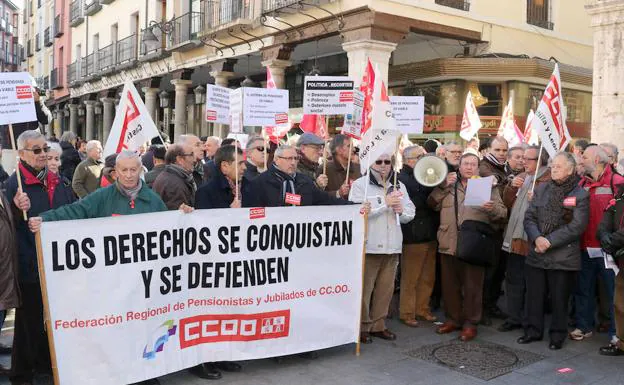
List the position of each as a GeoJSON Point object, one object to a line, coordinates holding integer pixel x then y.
{"type": "Point", "coordinates": [386, 162]}
{"type": "Point", "coordinates": [38, 151]}
{"type": "Point", "coordinates": [260, 148]}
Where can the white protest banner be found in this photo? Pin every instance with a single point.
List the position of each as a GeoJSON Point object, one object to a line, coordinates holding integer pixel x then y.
{"type": "Point", "coordinates": [17, 103]}
{"type": "Point", "coordinates": [139, 296]}
{"type": "Point", "coordinates": [471, 124]}
{"type": "Point", "coordinates": [217, 104]}
{"type": "Point", "coordinates": [264, 106]}
{"type": "Point", "coordinates": [409, 113]}
{"type": "Point", "coordinates": [133, 125]}
{"type": "Point", "coordinates": [236, 111]}
{"type": "Point", "coordinates": [353, 122]}
{"type": "Point", "coordinates": [327, 95]}
{"type": "Point", "coordinates": [550, 119]}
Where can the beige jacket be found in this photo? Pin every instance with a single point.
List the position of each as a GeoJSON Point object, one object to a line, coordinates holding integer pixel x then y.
{"type": "Point", "coordinates": [442, 199]}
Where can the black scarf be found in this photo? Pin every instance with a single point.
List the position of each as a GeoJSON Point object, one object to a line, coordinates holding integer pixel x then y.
{"type": "Point", "coordinates": [288, 181]}
{"type": "Point", "coordinates": [494, 162]}
{"type": "Point", "coordinates": [41, 174]}
{"type": "Point", "coordinates": [187, 177]}
{"type": "Point", "coordinates": [555, 214]}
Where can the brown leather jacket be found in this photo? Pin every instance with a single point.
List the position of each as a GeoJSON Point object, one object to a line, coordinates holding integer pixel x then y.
{"type": "Point", "coordinates": [336, 175]}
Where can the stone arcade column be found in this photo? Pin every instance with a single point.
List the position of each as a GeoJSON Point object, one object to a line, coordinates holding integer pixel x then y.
{"type": "Point", "coordinates": [73, 118]}
{"type": "Point", "coordinates": [108, 109]}
{"type": "Point", "coordinates": [608, 84]}
{"type": "Point", "coordinates": [90, 119]}
{"type": "Point", "coordinates": [181, 90]}
{"type": "Point", "coordinates": [360, 51]}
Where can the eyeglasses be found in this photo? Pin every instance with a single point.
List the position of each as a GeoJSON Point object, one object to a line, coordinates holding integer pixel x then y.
{"type": "Point", "coordinates": [259, 148]}
{"type": "Point", "coordinates": [387, 162]}
{"type": "Point", "coordinates": [185, 155]}
{"type": "Point", "coordinates": [38, 151]}
{"type": "Point", "coordinates": [290, 158]}
{"type": "Point", "coordinates": [529, 159]}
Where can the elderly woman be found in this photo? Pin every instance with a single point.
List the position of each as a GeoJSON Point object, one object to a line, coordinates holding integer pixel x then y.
{"type": "Point", "coordinates": [54, 157]}
{"type": "Point", "coordinates": [554, 223]}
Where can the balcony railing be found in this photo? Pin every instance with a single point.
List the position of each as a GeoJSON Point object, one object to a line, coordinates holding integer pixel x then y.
{"type": "Point", "coordinates": [56, 79]}
{"type": "Point", "coordinates": [127, 50]}
{"type": "Point", "coordinates": [92, 7]}
{"type": "Point", "coordinates": [46, 83]}
{"type": "Point", "coordinates": [58, 25]}
{"type": "Point", "coordinates": [10, 29]}
{"type": "Point", "coordinates": [463, 5]}
{"type": "Point", "coordinates": [185, 30]}
{"type": "Point", "coordinates": [156, 49]}
{"type": "Point", "coordinates": [226, 12]}
{"type": "Point", "coordinates": [539, 13]}
{"type": "Point", "coordinates": [3, 24]}
{"type": "Point", "coordinates": [37, 43]}
{"type": "Point", "coordinates": [106, 59]}
{"type": "Point", "coordinates": [22, 54]}
{"type": "Point", "coordinates": [89, 65]}
{"type": "Point", "coordinates": [47, 37]}
{"type": "Point", "coordinates": [16, 59]}
{"type": "Point", "coordinates": [274, 5]}
{"type": "Point", "coordinates": [74, 74]}
{"type": "Point", "coordinates": [30, 51]}
{"type": "Point", "coordinates": [76, 13]}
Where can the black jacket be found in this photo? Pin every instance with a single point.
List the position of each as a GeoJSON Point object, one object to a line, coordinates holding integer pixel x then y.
{"type": "Point", "coordinates": [39, 202]}
{"type": "Point", "coordinates": [610, 232]}
{"type": "Point", "coordinates": [70, 159]}
{"type": "Point", "coordinates": [215, 194]}
{"type": "Point", "coordinates": [267, 190]}
{"type": "Point", "coordinates": [18, 128]}
{"type": "Point", "coordinates": [424, 226]}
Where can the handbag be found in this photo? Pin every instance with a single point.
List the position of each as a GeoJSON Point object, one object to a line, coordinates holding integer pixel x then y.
{"type": "Point", "coordinates": [475, 240]}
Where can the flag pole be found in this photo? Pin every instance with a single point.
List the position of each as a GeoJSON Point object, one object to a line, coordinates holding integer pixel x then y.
{"type": "Point", "coordinates": [349, 161]}
{"type": "Point", "coordinates": [236, 170]}
{"type": "Point", "coordinates": [17, 168]}
{"type": "Point", "coordinates": [539, 161]}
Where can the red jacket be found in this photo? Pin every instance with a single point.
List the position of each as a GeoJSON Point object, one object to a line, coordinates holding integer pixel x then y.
{"type": "Point", "coordinates": [600, 194]}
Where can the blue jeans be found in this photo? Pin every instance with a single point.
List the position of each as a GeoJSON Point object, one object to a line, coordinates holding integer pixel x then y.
{"type": "Point", "coordinates": [585, 296]}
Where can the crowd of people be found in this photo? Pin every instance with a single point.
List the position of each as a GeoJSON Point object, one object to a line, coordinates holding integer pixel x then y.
{"type": "Point", "coordinates": [535, 238]}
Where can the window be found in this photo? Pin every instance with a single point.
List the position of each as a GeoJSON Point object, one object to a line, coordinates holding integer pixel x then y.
{"type": "Point", "coordinates": [539, 13]}
{"type": "Point", "coordinates": [493, 106]}
{"type": "Point", "coordinates": [464, 5]}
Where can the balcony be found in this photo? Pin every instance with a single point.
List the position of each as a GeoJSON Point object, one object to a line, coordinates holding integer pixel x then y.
{"type": "Point", "coordinates": [227, 14]}
{"type": "Point", "coordinates": [30, 51]}
{"type": "Point", "coordinates": [89, 66]}
{"type": "Point", "coordinates": [16, 59]}
{"type": "Point", "coordinates": [56, 79]}
{"type": "Point", "coordinates": [92, 7]}
{"type": "Point", "coordinates": [463, 5]}
{"type": "Point", "coordinates": [3, 24]}
{"type": "Point", "coordinates": [47, 37]}
{"type": "Point", "coordinates": [539, 14]}
{"type": "Point", "coordinates": [155, 49]}
{"type": "Point", "coordinates": [76, 13]}
{"type": "Point", "coordinates": [126, 52]}
{"type": "Point", "coordinates": [274, 5]}
{"type": "Point", "coordinates": [74, 74]}
{"type": "Point", "coordinates": [22, 54]}
{"type": "Point", "coordinates": [11, 29]}
{"type": "Point", "coordinates": [37, 43]}
{"type": "Point", "coordinates": [58, 26]}
{"type": "Point", "coordinates": [46, 83]}
{"type": "Point", "coordinates": [185, 31]}
{"type": "Point", "coordinates": [106, 59]}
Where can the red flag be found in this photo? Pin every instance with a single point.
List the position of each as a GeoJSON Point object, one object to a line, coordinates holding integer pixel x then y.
{"type": "Point", "coordinates": [275, 133]}
{"type": "Point", "coordinates": [315, 124]}
{"type": "Point", "coordinates": [367, 86]}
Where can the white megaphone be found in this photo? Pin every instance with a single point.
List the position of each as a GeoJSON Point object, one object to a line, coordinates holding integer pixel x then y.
{"type": "Point", "coordinates": [430, 171]}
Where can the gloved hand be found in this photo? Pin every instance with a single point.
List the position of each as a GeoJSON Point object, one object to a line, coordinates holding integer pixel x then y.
{"type": "Point", "coordinates": [606, 245]}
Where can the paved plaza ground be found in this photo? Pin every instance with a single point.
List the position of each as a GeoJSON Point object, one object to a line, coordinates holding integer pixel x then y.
{"type": "Point", "coordinates": [396, 363]}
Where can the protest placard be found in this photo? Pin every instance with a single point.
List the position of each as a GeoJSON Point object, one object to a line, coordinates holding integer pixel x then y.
{"type": "Point", "coordinates": [328, 95]}
{"type": "Point", "coordinates": [129, 302]}
{"type": "Point", "coordinates": [264, 107]}
{"type": "Point", "coordinates": [353, 121]}
{"type": "Point", "coordinates": [236, 111]}
{"type": "Point", "coordinates": [409, 113]}
{"type": "Point", "coordinates": [217, 104]}
{"type": "Point", "coordinates": [17, 103]}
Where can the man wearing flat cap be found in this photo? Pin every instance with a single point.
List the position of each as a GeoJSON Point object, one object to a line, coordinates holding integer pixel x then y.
{"type": "Point", "coordinates": [310, 149]}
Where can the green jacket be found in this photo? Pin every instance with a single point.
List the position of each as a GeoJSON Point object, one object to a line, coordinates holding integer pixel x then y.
{"type": "Point", "coordinates": [87, 177]}
{"type": "Point", "coordinates": [106, 202]}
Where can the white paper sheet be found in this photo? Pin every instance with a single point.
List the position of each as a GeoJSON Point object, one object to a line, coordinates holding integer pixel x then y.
{"type": "Point", "coordinates": [479, 191]}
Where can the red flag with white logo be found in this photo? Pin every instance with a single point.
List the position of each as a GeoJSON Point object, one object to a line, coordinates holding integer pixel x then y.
{"type": "Point", "coordinates": [550, 117]}
{"type": "Point", "coordinates": [275, 133]}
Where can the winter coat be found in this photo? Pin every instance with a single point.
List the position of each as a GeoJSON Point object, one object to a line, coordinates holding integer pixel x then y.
{"type": "Point", "coordinates": [564, 252]}
{"type": "Point", "coordinates": [108, 202]}
{"type": "Point", "coordinates": [56, 193]}
{"type": "Point", "coordinates": [424, 226]}
{"type": "Point", "coordinates": [612, 223]}
{"type": "Point", "coordinates": [442, 199]}
{"type": "Point", "coordinates": [600, 194]}
{"type": "Point", "coordinates": [87, 177]}
{"type": "Point", "coordinates": [9, 271]}
{"type": "Point", "coordinates": [216, 194]}
{"type": "Point", "coordinates": [150, 176]}
{"type": "Point", "coordinates": [174, 190]}
{"type": "Point", "coordinates": [70, 159]}
{"type": "Point", "coordinates": [267, 190]}
{"type": "Point", "coordinates": [384, 233]}
{"type": "Point", "coordinates": [337, 175]}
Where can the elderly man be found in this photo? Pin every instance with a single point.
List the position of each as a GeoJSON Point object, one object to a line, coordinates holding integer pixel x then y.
{"type": "Point", "coordinates": [211, 145]}
{"type": "Point", "coordinates": [383, 246]}
{"type": "Point", "coordinates": [175, 184]}
{"type": "Point", "coordinates": [418, 261]}
{"type": "Point", "coordinates": [42, 190]}
{"type": "Point", "coordinates": [337, 183]}
{"type": "Point", "coordinates": [452, 153]}
{"type": "Point", "coordinates": [612, 151]}
{"type": "Point", "coordinates": [515, 241]}
{"type": "Point", "coordinates": [127, 196]}
{"type": "Point", "coordinates": [515, 162]}
{"type": "Point", "coordinates": [601, 183]}
{"type": "Point", "coordinates": [87, 175]}
{"type": "Point", "coordinates": [462, 281]}
{"type": "Point", "coordinates": [201, 172]}
{"type": "Point", "coordinates": [281, 185]}
{"type": "Point", "coordinates": [310, 149]}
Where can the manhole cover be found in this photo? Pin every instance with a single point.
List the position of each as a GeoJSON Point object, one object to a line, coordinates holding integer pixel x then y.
{"type": "Point", "coordinates": [484, 360]}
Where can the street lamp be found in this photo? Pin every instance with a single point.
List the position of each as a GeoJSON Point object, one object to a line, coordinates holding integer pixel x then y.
{"type": "Point", "coordinates": [164, 99]}
{"type": "Point", "coordinates": [200, 95]}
